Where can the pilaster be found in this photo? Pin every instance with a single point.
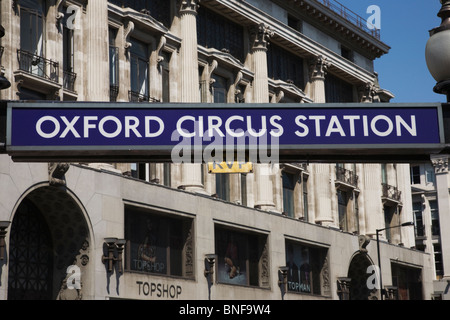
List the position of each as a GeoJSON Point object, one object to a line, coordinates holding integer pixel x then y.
{"type": "Point", "coordinates": [191, 174]}
{"type": "Point", "coordinates": [97, 55]}
{"type": "Point", "coordinates": [440, 164]}
{"type": "Point", "coordinates": [318, 70]}
{"type": "Point", "coordinates": [260, 36]}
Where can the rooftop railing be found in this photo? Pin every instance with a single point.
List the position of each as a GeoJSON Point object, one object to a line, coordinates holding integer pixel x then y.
{"type": "Point", "coordinates": [351, 16]}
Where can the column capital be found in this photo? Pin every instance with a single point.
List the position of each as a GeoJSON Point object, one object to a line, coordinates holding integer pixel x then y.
{"type": "Point", "coordinates": [189, 6]}
{"type": "Point", "coordinates": [318, 67]}
{"type": "Point", "coordinates": [440, 163]}
{"type": "Point", "coordinates": [260, 35]}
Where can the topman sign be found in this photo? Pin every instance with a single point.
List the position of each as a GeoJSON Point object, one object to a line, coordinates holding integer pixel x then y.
{"type": "Point", "coordinates": [202, 133]}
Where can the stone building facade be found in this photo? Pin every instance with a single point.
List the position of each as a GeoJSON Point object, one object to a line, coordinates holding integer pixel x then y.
{"type": "Point", "coordinates": [175, 231]}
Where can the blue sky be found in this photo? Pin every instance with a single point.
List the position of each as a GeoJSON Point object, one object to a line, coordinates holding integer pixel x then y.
{"type": "Point", "coordinates": [404, 27]}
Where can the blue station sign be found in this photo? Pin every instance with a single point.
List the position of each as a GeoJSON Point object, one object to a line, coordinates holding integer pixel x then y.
{"type": "Point", "coordinates": [162, 132]}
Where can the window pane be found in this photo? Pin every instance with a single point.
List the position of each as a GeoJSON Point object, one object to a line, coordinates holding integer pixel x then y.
{"type": "Point", "coordinates": [156, 242]}
{"type": "Point", "coordinates": [239, 256]}
{"type": "Point", "coordinates": [305, 265]}
{"type": "Point", "coordinates": [288, 194]}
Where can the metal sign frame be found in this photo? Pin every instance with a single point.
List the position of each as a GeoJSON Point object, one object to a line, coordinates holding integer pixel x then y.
{"type": "Point", "coordinates": [295, 152]}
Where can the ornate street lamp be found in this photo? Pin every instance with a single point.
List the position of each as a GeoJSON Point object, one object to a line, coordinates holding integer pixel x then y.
{"type": "Point", "coordinates": [437, 52]}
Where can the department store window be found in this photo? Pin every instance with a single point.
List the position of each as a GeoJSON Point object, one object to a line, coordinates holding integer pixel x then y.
{"type": "Point", "coordinates": [158, 243]}
{"type": "Point", "coordinates": [32, 22]}
{"type": "Point", "coordinates": [435, 226]}
{"type": "Point", "coordinates": [294, 181]}
{"type": "Point", "coordinates": [419, 228]}
{"type": "Point", "coordinates": [31, 55]}
{"type": "Point", "coordinates": [113, 65]}
{"type": "Point", "coordinates": [408, 281]}
{"type": "Point", "coordinates": [295, 23]}
{"type": "Point", "coordinates": [216, 31]}
{"type": "Point", "coordinates": [220, 89]}
{"type": "Point", "coordinates": [337, 90]}
{"type": "Point", "coordinates": [165, 75]}
{"type": "Point", "coordinates": [284, 65]}
{"type": "Point", "coordinates": [438, 260]}
{"type": "Point", "coordinates": [391, 218]}
{"type": "Point", "coordinates": [343, 200]}
{"type": "Point", "coordinates": [223, 186]}
{"type": "Point", "coordinates": [69, 76]}
{"type": "Point", "coordinates": [289, 183]}
{"type": "Point", "coordinates": [346, 53]}
{"type": "Point", "coordinates": [242, 257]}
{"type": "Point", "coordinates": [306, 265]}
{"type": "Point", "coordinates": [139, 71]}
{"type": "Point", "coordinates": [430, 176]}
{"type": "Point", "coordinates": [415, 175]}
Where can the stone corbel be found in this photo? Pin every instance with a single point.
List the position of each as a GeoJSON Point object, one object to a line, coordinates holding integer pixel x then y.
{"type": "Point", "coordinates": [161, 45]}
{"type": "Point", "coordinates": [279, 96]}
{"type": "Point", "coordinates": [59, 14]}
{"type": "Point", "coordinates": [126, 34]}
{"type": "Point", "coordinates": [56, 172]}
{"type": "Point", "coordinates": [237, 91]}
{"type": "Point", "coordinates": [363, 243]}
{"type": "Point", "coordinates": [212, 67]}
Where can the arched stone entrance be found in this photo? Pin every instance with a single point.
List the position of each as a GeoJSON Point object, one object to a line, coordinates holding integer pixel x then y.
{"type": "Point", "coordinates": [49, 239]}
{"type": "Point", "coordinates": [358, 274]}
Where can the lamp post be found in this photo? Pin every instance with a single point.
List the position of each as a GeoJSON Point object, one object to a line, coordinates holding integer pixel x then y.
{"type": "Point", "coordinates": [437, 52]}
{"type": "Point", "coordinates": [378, 249]}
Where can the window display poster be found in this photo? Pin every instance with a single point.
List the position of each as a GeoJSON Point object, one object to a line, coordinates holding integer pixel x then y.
{"type": "Point", "coordinates": [231, 248]}
{"type": "Point", "coordinates": [148, 243]}
{"type": "Point", "coordinates": [299, 278]}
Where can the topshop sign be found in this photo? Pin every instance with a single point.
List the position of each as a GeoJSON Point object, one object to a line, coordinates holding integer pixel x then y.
{"type": "Point", "coordinates": [205, 132]}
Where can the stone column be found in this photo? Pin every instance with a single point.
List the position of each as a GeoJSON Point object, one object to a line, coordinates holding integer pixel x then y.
{"type": "Point", "coordinates": [440, 164]}
{"type": "Point", "coordinates": [324, 191]}
{"type": "Point", "coordinates": [97, 55]}
{"type": "Point", "coordinates": [372, 205]}
{"type": "Point", "coordinates": [189, 56]}
{"type": "Point", "coordinates": [191, 174]}
{"type": "Point", "coordinates": [316, 86]}
{"type": "Point", "coordinates": [260, 36]}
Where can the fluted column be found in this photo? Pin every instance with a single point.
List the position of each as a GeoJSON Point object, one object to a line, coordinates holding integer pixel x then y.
{"type": "Point", "coordinates": [372, 206]}
{"type": "Point", "coordinates": [325, 192]}
{"type": "Point", "coordinates": [191, 174]}
{"type": "Point", "coordinates": [440, 163]}
{"type": "Point", "coordinates": [188, 51]}
{"type": "Point", "coordinates": [318, 71]}
{"type": "Point", "coordinates": [97, 55]}
{"type": "Point", "coordinates": [260, 36]}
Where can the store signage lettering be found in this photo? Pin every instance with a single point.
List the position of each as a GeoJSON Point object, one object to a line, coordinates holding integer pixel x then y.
{"type": "Point", "coordinates": [171, 131]}
{"type": "Point", "coordinates": [159, 290]}
{"type": "Point", "coordinates": [70, 126]}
